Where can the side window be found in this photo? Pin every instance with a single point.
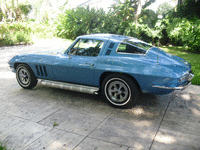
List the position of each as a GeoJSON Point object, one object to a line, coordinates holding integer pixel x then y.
{"type": "Point", "coordinates": [87, 47]}
{"type": "Point", "coordinates": [126, 48]}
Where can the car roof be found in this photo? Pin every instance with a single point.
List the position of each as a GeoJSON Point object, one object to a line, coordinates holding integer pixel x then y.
{"type": "Point", "coordinates": [113, 37]}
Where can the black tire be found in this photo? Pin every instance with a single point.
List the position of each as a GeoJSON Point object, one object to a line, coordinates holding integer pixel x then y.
{"type": "Point", "coordinates": [25, 76]}
{"type": "Point", "coordinates": [120, 90]}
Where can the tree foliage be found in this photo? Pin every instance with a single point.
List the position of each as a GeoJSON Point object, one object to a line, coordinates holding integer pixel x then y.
{"type": "Point", "coordinates": [184, 32]}
{"type": "Point", "coordinates": [12, 10]}
{"type": "Point", "coordinates": [164, 8]}
{"type": "Point", "coordinates": [148, 17]}
{"type": "Point", "coordinates": [174, 29]}
{"type": "Point", "coordinates": [79, 21]}
{"type": "Point", "coordinates": [41, 10]}
{"type": "Point", "coordinates": [189, 9]}
{"type": "Point", "coordinates": [147, 3]}
{"type": "Point", "coordinates": [130, 10]}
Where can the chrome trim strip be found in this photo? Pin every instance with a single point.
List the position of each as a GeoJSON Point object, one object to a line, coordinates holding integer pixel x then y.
{"type": "Point", "coordinates": [172, 88]}
{"type": "Point", "coordinates": [69, 86]}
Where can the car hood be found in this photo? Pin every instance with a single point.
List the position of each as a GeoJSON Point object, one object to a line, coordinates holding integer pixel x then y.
{"type": "Point", "coordinates": [51, 52]}
{"type": "Point", "coordinates": [44, 57]}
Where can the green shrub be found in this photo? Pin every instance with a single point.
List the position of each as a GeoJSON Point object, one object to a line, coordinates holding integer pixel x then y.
{"type": "Point", "coordinates": [79, 21]}
{"type": "Point", "coordinates": [148, 17]}
{"type": "Point", "coordinates": [184, 32]}
{"type": "Point", "coordinates": [22, 32]}
{"type": "Point", "coordinates": [2, 147]}
{"type": "Point", "coordinates": [20, 37]}
{"type": "Point", "coordinates": [43, 29]}
{"type": "Point", "coordinates": [15, 33]}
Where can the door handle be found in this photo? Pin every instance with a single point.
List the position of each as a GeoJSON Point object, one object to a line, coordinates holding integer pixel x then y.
{"type": "Point", "coordinates": [89, 64]}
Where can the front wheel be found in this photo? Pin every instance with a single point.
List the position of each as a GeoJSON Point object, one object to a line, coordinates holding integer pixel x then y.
{"type": "Point", "coordinates": [25, 76]}
{"type": "Point", "coordinates": [120, 90]}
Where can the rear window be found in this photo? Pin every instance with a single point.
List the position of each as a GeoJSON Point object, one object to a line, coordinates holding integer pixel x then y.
{"type": "Point", "coordinates": [138, 43]}
{"type": "Point", "coordinates": [127, 48]}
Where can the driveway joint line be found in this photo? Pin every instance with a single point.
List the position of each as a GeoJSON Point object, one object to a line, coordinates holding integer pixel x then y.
{"type": "Point", "coordinates": [26, 119]}
{"type": "Point", "coordinates": [16, 116]}
{"type": "Point", "coordinates": [128, 146]}
{"type": "Point", "coordinates": [46, 116]}
{"type": "Point", "coordinates": [37, 139]}
{"type": "Point", "coordinates": [161, 122]}
{"type": "Point", "coordinates": [91, 131]}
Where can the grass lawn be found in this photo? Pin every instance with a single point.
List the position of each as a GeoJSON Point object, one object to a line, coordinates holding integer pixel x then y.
{"type": "Point", "coordinates": [193, 59]}
{"type": "Point", "coordinates": [2, 147]}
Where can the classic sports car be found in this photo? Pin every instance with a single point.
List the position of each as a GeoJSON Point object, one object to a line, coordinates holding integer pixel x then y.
{"type": "Point", "coordinates": [120, 67]}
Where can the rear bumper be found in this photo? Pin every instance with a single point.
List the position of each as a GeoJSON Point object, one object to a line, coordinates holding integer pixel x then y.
{"type": "Point", "coordinates": [180, 87]}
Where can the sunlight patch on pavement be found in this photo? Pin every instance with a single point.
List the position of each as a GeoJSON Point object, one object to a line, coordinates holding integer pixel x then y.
{"type": "Point", "coordinates": [138, 145]}
{"type": "Point", "coordinates": [7, 75]}
{"type": "Point", "coordinates": [8, 54]}
{"type": "Point", "coordinates": [196, 112]}
{"type": "Point", "coordinates": [5, 59]}
{"type": "Point", "coordinates": [139, 111]}
{"type": "Point", "coordinates": [4, 65]}
{"type": "Point", "coordinates": [165, 139]}
{"type": "Point", "coordinates": [186, 96]}
{"type": "Point", "coordinates": [56, 144]}
{"type": "Point", "coordinates": [53, 42]}
{"type": "Point", "coordinates": [144, 123]}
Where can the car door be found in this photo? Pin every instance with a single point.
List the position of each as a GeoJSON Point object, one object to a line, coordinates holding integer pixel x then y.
{"type": "Point", "coordinates": [79, 63]}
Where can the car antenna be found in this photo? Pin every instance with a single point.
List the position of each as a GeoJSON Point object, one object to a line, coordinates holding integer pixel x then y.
{"type": "Point", "coordinates": [158, 51]}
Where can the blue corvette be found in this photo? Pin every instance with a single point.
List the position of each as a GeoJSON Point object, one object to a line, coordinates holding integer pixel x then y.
{"type": "Point", "coordinates": [120, 67]}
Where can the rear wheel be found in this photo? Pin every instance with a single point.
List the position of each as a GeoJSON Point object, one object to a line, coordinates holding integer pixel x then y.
{"type": "Point", "coordinates": [25, 76]}
{"type": "Point", "coordinates": [120, 90]}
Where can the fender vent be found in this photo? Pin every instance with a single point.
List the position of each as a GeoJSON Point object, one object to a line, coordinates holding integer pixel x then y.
{"type": "Point", "coordinates": [41, 70]}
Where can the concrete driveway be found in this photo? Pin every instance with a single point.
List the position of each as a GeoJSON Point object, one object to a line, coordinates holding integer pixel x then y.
{"type": "Point", "coordinates": [48, 118]}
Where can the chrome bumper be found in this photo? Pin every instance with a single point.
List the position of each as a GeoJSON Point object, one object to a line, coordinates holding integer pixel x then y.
{"type": "Point", "coordinates": [181, 87]}
{"type": "Point", "coordinates": [173, 88]}
{"type": "Point", "coordinates": [189, 77]}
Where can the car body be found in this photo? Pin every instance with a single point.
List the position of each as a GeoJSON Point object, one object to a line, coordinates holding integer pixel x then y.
{"type": "Point", "coordinates": [116, 65]}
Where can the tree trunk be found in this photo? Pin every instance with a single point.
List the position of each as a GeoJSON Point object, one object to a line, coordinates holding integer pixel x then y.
{"type": "Point", "coordinates": [3, 11]}
{"type": "Point", "coordinates": [138, 11]}
{"type": "Point", "coordinates": [13, 13]}
{"type": "Point", "coordinates": [181, 2]}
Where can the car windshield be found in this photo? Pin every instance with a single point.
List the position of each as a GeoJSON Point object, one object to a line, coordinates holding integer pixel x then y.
{"type": "Point", "coordinates": [138, 43]}
{"type": "Point", "coordinates": [87, 47]}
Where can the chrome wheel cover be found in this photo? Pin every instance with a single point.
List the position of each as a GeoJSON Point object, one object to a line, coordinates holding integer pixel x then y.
{"type": "Point", "coordinates": [117, 91]}
{"type": "Point", "coordinates": [24, 76]}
